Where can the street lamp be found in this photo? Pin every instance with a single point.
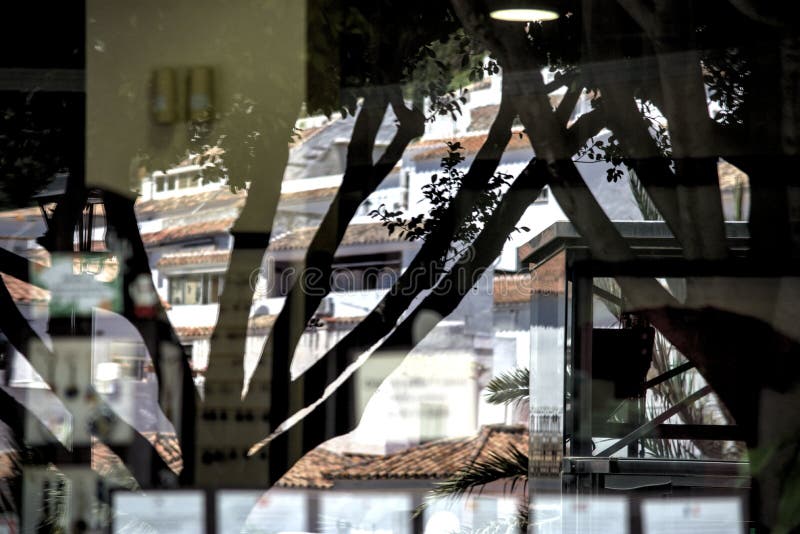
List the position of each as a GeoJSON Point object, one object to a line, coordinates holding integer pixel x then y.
{"type": "Point", "coordinates": [54, 192]}
{"type": "Point", "coordinates": [524, 10]}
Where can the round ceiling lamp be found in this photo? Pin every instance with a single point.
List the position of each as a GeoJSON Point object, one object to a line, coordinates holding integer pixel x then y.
{"type": "Point", "coordinates": [524, 10]}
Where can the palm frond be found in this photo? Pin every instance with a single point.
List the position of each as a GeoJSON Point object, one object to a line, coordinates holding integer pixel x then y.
{"type": "Point", "coordinates": [510, 465]}
{"type": "Point", "coordinates": [508, 388]}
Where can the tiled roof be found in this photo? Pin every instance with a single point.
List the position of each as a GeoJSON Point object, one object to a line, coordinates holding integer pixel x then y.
{"type": "Point", "coordinates": [311, 470]}
{"type": "Point", "coordinates": [208, 199]}
{"type": "Point", "coordinates": [356, 234]}
{"type": "Point", "coordinates": [105, 461]}
{"type": "Point", "coordinates": [311, 157]}
{"type": "Point", "coordinates": [309, 194]}
{"type": "Point", "coordinates": [320, 468]}
{"type": "Point", "coordinates": [256, 325]}
{"type": "Point", "coordinates": [195, 257]}
{"type": "Point", "coordinates": [470, 145]}
{"type": "Point", "coordinates": [24, 292]}
{"type": "Point", "coordinates": [193, 332]}
{"type": "Point", "coordinates": [512, 288]}
{"type": "Point", "coordinates": [178, 233]}
{"type": "Point", "coordinates": [481, 118]}
{"type": "Point", "coordinates": [439, 459]}
{"type": "Point", "coordinates": [307, 473]}
{"type": "Point", "coordinates": [220, 198]}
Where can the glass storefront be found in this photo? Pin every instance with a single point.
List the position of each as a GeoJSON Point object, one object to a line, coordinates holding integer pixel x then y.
{"type": "Point", "coordinates": [431, 266]}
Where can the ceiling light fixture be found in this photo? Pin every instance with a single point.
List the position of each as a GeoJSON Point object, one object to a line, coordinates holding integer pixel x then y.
{"type": "Point", "coordinates": [524, 10]}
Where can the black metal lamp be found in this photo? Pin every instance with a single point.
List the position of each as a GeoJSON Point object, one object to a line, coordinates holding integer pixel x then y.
{"type": "Point", "coordinates": [54, 192]}
{"type": "Point", "coordinates": [524, 10]}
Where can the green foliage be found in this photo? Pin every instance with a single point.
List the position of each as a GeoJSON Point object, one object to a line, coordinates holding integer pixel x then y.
{"type": "Point", "coordinates": [510, 466]}
{"type": "Point", "coordinates": [440, 192]}
{"type": "Point", "coordinates": [442, 69]}
{"type": "Point", "coordinates": [512, 387]}
{"type": "Point", "coordinates": [356, 44]}
{"type": "Point", "coordinates": [610, 152]}
{"type": "Point", "coordinates": [599, 151]}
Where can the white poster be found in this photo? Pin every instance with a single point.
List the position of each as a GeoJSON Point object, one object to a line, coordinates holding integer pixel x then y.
{"type": "Point", "coordinates": [172, 512]}
{"type": "Point", "coordinates": [579, 515]}
{"type": "Point", "coordinates": [695, 516]}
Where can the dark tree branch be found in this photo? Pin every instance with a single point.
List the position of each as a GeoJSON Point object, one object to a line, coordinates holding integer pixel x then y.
{"type": "Point", "coordinates": [251, 234]}
{"type": "Point", "coordinates": [700, 204]}
{"type": "Point", "coordinates": [19, 420]}
{"type": "Point", "coordinates": [360, 179]}
{"type": "Point", "coordinates": [152, 323]}
{"type": "Point", "coordinates": [59, 236]}
{"type": "Point", "coordinates": [315, 428]}
{"type": "Point", "coordinates": [652, 168]}
{"type": "Point", "coordinates": [567, 104]}
{"type": "Point", "coordinates": [15, 265]}
{"type": "Point", "coordinates": [420, 274]}
{"type": "Point", "coordinates": [27, 342]}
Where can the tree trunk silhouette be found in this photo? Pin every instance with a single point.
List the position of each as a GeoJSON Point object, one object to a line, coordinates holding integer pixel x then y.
{"type": "Point", "coordinates": [314, 429]}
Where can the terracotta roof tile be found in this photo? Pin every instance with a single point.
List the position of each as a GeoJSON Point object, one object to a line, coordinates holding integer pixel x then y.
{"type": "Point", "coordinates": [194, 332]}
{"type": "Point", "coordinates": [207, 199]}
{"type": "Point", "coordinates": [220, 198]}
{"type": "Point", "coordinates": [320, 468]}
{"type": "Point", "coordinates": [309, 194]}
{"type": "Point", "coordinates": [356, 234]}
{"type": "Point", "coordinates": [178, 233]}
{"type": "Point", "coordinates": [470, 143]}
{"type": "Point", "coordinates": [309, 472]}
{"type": "Point", "coordinates": [194, 257]}
{"type": "Point", "coordinates": [439, 459]}
{"type": "Point", "coordinates": [256, 325]}
{"type": "Point", "coordinates": [481, 118]}
{"type": "Point", "coordinates": [104, 460]}
{"type": "Point", "coordinates": [23, 291]}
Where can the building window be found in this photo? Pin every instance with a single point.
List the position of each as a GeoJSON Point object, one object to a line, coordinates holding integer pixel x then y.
{"type": "Point", "coordinates": [130, 357]}
{"type": "Point", "coordinates": [355, 273]}
{"type": "Point", "coordinates": [161, 183]}
{"type": "Point", "coordinates": [195, 289]}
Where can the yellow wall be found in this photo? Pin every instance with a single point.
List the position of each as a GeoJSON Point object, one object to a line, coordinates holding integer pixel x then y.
{"type": "Point", "coordinates": [255, 48]}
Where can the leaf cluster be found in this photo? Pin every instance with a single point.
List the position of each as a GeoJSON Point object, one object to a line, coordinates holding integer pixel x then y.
{"type": "Point", "coordinates": [512, 387]}
{"type": "Point", "coordinates": [440, 192]}
{"type": "Point", "coordinates": [440, 71]}
{"type": "Point", "coordinates": [511, 465]}
{"type": "Point", "coordinates": [725, 73]}
{"type": "Point", "coordinates": [609, 151]}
